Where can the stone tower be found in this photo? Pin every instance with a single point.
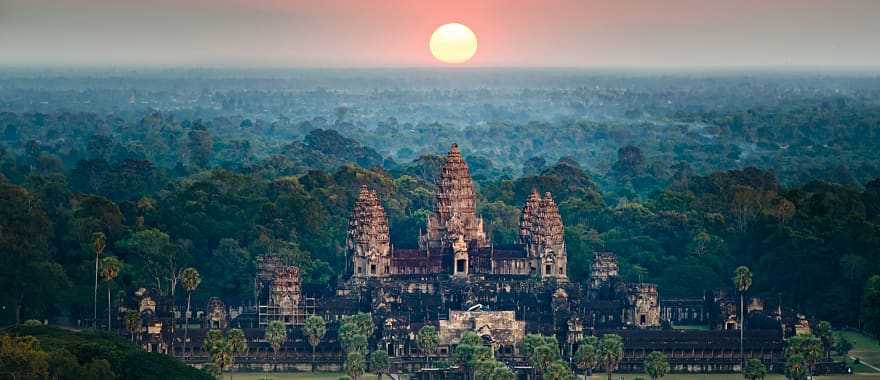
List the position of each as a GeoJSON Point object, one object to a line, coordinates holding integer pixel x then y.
{"type": "Point", "coordinates": [602, 269]}
{"type": "Point", "coordinates": [542, 233]}
{"type": "Point", "coordinates": [368, 246]}
{"type": "Point", "coordinates": [455, 207]}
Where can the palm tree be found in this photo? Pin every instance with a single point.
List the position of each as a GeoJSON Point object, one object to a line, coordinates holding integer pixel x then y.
{"type": "Point", "coordinates": [276, 334]}
{"type": "Point", "coordinates": [742, 278]}
{"type": "Point", "coordinates": [110, 267]}
{"type": "Point", "coordinates": [586, 357]}
{"type": "Point", "coordinates": [656, 365]}
{"type": "Point", "coordinates": [99, 242]}
{"type": "Point", "coordinates": [379, 362]}
{"type": "Point", "coordinates": [314, 328]}
{"type": "Point", "coordinates": [610, 352]}
{"type": "Point", "coordinates": [132, 323]}
{"type": "Point", "coordinates": [235, 343]}
{"type": "Point", "coordinates": [222, 356]}
{"type": "Point", "coordinates": [191, 280]}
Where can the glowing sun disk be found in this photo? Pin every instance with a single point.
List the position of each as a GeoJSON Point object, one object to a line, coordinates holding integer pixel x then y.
{"type": "Point", "coordinates": [453, 43]}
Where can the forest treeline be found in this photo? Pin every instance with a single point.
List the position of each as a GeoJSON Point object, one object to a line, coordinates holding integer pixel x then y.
{"type": "Point", "coordinates": [169, 193]}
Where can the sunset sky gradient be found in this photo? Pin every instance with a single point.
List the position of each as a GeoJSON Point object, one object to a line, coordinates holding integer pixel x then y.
{"type": "Point", "coordinates": [371, 33]}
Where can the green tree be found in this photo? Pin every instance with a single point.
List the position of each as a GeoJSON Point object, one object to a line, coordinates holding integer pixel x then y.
{"type": "Point", "coordinates": [276, 335]}
{"type": "Point", "coordinates": [314, 328]}
{"type": "Point", "coordinates": [826, 336]}
{"type": "Point", "coordinates": [99, 242]}
{"type": "Point", "coordinates": [542, 357]}
{"type": "Point", "coordinates": [610, 352]}
{"type": "Point", "coordinates": [656, 365]}
{"type": "Point", "coordinates": [754, 369]}
{"type": "Point", "coordinates": [841, 344]}
{"type": "Point", "coordinates": [132, 323]}
{"type": "Point", "coordinates": [98, 369]}
{"type": "Point", "coordinates": [355, 364]}
{"type": "Point", "coordinates": [587, 355]}
{"type": "Point", "coordinates": [63, 365]}
{"type": "Point", "coordinates": [191, 279]}
{"type": "Point", "coordinates": [469, 352]}
{"type": "Point", "coordinates": [236, 343]}
{"type": "Point", "coordinates": [379, 362]}
{"type": "Point", "coordinates": [558, 370]}
{"type": "Point", "coordinates": [795, 367]}
{"type": "Point", "coordinates": [110, 267]}
{"type": "Point", "coordinates": [355, 331]}
{"type": "Point", "coordinates": [485, 370]}
{"type": "Point", "coordinates": [21, 358]}
{"type": "Point", "coordinates": [503, 373]}
{"type": "Point", "coordinates": [742, 279]}
{"type": "Point", "coordinates": [808, 348]}
{"type": "Point", "coordinates": [871, 304]}
{"type": "Point", "coordinates": [427, 340]}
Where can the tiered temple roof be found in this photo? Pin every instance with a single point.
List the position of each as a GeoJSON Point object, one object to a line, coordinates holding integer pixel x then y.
{"type": "Point", "coordinates": [549, 227]}
{"type": "Point", "coordinates": [455, 206]}
{"type": "Point", "coordinates": [368, 226]}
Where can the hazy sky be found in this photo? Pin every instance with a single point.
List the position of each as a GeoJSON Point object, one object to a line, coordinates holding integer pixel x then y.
{"type": "Point", "coordinates": [372, 33]}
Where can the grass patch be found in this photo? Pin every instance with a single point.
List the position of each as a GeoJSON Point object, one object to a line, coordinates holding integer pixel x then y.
{"type": "Point", "coordinates": [865, 348]}
{"type": "Point", "coordinates": [295, 376]}
{"type": "Point", "coordinates": [731, 376]}
{"type": "Point", "coordinates": [691, 327]}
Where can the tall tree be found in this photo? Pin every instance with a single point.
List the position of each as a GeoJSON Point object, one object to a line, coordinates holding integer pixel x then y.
{"type": "Point", "coordinates": [191, 280]}
{"type": "Point", "coordinates": [110, 267]}
{"type": "Point", "coordinates": [826, 336]}
{"type": "Point", "coordinates": [656, 365]}
{"type": "Point", "coordinates": [808, 348]}
{"type": "Point", "coordinates": [754, 369]}
{"type": "Point", "coordinates": [27, 274]}
{"type": "Point", "coordinates": [379, 362]}
{"type": "Point", "coordinates": [314, 328]}
{"type": "Point", "coordinates": [871, 304]}
{"type": "Point", "coordinates": [276, 335]}
{"type": "Point", "coordinates": [427, 340]}
{"type": "Point", "coordinates": [355, 364]}
{"type": "Point", "coordinates": [558, 370]}
{"type": "Point", "coordinates": [610, 352]}
{"type": "Point", "coordinates": [236, 343]}
{"type": "Point", "coordinates": [587, 356]}
{"type": "Point", "coordinates": [742, 279]}
{"type": "Point", "coordinates": [99, 242]}
{"type": "Point", "coordinates": [132, 323]}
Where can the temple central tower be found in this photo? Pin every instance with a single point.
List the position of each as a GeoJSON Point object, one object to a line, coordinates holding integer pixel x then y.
{"type": "Point", "coordinates": [455, 207]}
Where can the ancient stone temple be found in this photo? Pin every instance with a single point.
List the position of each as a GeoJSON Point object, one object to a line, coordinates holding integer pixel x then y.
{"type": "Point", "coordinates": [367, 242]}
{"type": "Point", "coordinates": [454, 242]}
{"type": "Point", "coordinates": [455, 207]}
{"type": "Point", "coordinates": [541, 233]}
{"type": "Point", "coordinates": [456, 280]}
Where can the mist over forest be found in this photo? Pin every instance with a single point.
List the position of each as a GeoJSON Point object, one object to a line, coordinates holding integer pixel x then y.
{"type": "Point", "coordinates": [684, 176]}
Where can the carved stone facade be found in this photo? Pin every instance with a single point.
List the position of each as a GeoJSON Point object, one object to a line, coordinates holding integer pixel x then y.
{"type": "Point", "coordinates": [541, 232]}
{"type": "Point", "coordinates": [603, 267]}
{"type": "Point", "coordinates": [455, 242]}
{"type": "Point", "coordinates": [643, 305]}
{"type": "Point", "coordinates": [287, 296]}
{"type": "Point", "coordinates": [368, 244]}
{"type": "Point", "coordinates": [501, 329]}
{"type": "Point", "coordinates": [455, 207]}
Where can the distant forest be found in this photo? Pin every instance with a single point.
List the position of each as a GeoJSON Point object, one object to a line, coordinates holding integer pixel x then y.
{"type": "Point", "coordinates": [683, 177]}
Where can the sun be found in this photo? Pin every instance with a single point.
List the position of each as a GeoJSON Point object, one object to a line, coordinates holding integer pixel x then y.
{"type": "Point", "coordinates": [453, 43]}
